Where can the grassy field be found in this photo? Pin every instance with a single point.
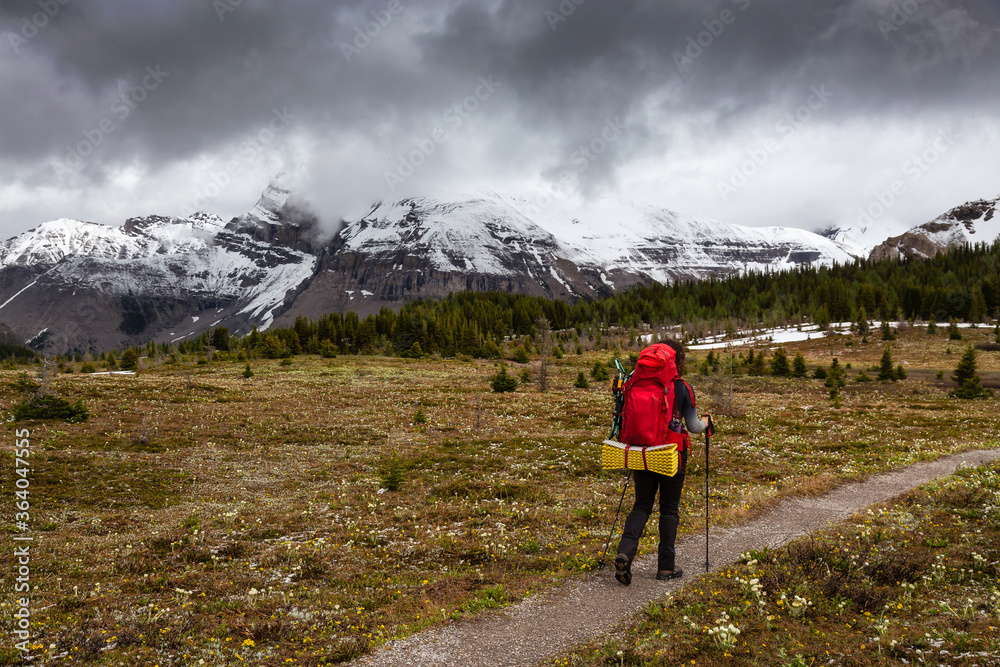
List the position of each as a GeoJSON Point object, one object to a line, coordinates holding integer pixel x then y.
{"type": "Point", "coordinates": [318, 509]}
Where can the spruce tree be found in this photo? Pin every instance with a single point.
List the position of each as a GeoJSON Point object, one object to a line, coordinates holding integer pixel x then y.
{"type": "Point", "coordinates": [969, 383]}
{"type": "Point", "coordinates": [888, 333]}
{"type": "Point", "coordinates": [932, 326]}
{"type": "Point", "coordinates": [130, 360]}
{"type": "Point", "coordinates": [862, 323]}
{"type": "Point", "coordinates": [581, 381]}
{"type": "Point", "coordinates": [502, 382]}
{"type": "Point", "coordinates": [779, 364]}
{"type": "Point", "coordinates": [977, 308]}
{"type": "Point", "coordinates": [966, 367]}
{"type": "Point", "coordinates": [835, 379]}
{"type": "Point", "coordinates": [220, 339]}
{"type": "Point", "coordinates": [799, 369]}
{"type": "Point", "coordinates": [953, 332]}
{"type": "Point", "coordinates": [886, 372]}
{"type": "Point", "coordinates": [822, 318]}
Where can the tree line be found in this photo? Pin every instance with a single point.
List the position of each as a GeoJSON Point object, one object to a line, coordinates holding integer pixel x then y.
{"type": "Point", "coordinates": [963, 284]}
{"type": "Point", "coordinates": [960, 285]}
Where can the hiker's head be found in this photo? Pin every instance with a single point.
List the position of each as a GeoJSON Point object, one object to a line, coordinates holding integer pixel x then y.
{"type": "Point", "coordinates": [678, 348]}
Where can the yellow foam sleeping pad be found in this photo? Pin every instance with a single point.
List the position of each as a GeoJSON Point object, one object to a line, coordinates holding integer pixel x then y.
{"type": "Point", "coordinates": [660, 458]}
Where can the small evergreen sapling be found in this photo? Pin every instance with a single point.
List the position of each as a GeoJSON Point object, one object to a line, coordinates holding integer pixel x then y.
{"type": "Point", "coordinates": [953, 332]}
{"type": "Point", "coordinates": [799, 368]}
{"type": "Point", "coordinates": [757, 364]}
{"type": "Point", "coordinates": [862, 324]}
{"type": "Point", "coordinates": [886, 372]}
{"type": "Point", "coordinates": [393, 473]}
{"type": "Point", "coordinates": [779, 364]}
{"type": "Point", "coordinates": [835, 380]}
{"type": "Point", "coordinates": [502, 382]}
{"type": "Point", "coordinates": [581, 381]}
{"type": "Point", "coordinates": [970, 385]}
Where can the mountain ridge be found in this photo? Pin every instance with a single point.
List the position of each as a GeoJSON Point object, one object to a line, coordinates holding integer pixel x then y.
{"type": "Point", "coordinates": [972, 222]}
{"type": "Point", "coordinates": [73, 285]}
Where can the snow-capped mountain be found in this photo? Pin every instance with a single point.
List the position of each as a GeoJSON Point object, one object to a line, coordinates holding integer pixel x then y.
{"type": "Point", "coordinates": [70, 285]}
{"type": "Point", "coordinates": [859, 240]}
{"type": "Point", "coordinates": [626, 237]}
{"type": "Point", "coordinates": [428, 247]}
{"type": "Point", "coordinates": [972, 222]}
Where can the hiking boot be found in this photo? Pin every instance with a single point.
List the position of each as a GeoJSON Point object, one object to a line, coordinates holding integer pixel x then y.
{"type": "Point", "coordinates": [623, 570]}
{"type": "Point", "coordinates": [676, 573]}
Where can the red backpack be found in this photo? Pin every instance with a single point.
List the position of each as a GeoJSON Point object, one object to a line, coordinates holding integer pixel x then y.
{"type": "Point", "coordinates": [649, 401]}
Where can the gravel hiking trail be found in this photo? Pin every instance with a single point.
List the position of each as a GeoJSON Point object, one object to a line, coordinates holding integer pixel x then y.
{"type": "Point", "coordinates": [582, 609]}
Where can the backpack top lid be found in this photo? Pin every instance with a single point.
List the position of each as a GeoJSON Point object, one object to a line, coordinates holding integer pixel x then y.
{"type": "Point", "coordinates": [658, 362]}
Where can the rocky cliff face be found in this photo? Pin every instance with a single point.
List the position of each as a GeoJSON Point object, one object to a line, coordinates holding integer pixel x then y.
{"type": "Point", "coordinates": [72, 285]}
{"type": "Point", "coordinates": [972, 222]}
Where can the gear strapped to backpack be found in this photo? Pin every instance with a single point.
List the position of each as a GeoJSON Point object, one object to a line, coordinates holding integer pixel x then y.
{"type": "Point", "coordinates": [650, 433]}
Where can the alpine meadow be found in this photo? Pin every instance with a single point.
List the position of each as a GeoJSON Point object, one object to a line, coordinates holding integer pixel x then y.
{"type": "Point", "coordinates": [363, 481]}
{"type": "Point", "coordinates": [500, 333]}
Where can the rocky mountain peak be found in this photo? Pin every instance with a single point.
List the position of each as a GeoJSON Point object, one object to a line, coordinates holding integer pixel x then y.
{"type": "Point", "coordinates": [272, 200]}
{"type": "Point", "coordinates": [972, 222]}
{"type": "Point", "coordinates": [280, 217]}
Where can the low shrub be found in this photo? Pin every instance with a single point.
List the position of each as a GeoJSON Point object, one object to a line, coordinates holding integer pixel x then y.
{"type": "Point", "coordinates": [50, 407]}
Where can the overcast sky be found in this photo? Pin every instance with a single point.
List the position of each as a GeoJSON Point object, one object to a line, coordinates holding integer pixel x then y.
{"type": "Point", "coordinates": [756, 112]}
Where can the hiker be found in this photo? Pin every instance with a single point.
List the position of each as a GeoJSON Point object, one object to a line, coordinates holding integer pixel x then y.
{"type": "Point", "coordinates": [647, 483]}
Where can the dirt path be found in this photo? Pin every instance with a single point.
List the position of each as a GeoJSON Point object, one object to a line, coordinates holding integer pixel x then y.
{"type": "Point", "coordinates": [582, 609]}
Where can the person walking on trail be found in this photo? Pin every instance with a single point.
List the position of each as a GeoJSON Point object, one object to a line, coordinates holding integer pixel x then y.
{"type": "Point", "coordinates": [648, 483]}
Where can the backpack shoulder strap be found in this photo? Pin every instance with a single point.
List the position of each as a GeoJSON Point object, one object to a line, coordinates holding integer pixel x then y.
{"type": "Point", "coordinates": [677, 414]}
{"type": "Point", "coordinates": [690, 391]}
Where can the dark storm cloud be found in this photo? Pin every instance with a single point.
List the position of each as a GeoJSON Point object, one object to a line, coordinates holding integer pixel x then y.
{"type": "Point", "coordinates": [659, 75]}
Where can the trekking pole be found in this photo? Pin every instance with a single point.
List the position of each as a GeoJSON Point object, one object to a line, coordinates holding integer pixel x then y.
{"type": "Point", "coordinates": [708, 432]}
{"type": "Point", "coordinates": [628, 476]}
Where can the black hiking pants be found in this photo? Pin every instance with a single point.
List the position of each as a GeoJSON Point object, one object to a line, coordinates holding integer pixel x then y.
{"type": "Point", "coordinates": [646, 485]}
